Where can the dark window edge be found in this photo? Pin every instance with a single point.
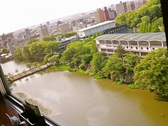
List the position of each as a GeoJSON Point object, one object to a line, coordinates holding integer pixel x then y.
{"type": "Point", "coordinates": [17, 105]}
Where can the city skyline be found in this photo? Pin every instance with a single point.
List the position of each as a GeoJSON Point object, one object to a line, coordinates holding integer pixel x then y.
{"type": "Point", "coordinates": [21, 14]}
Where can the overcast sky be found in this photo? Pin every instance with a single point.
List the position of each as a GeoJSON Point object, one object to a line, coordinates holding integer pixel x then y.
{"type": "Point", "coordinates": [17, 14]}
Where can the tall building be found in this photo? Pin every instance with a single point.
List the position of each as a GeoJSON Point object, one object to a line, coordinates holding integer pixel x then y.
{"type": "Point", "coordinates": [112, 14]}
{"type": "Point", "coordinates": [113, 7]}
{"type": "Point", "coordinates": [140, 3]}
{"type": "Point", "coordinates": [43, 30]}
{"type": "Point", "coordinates": [106, 14]}
{"type": "Point", "coordinates": [7, 37]}
{"type": "Point", "coordinates": [28, 34]}
{"type": "Point", "coordinates": [130, 6]}
{"type": "Point", "coordinates": [97, 17]}
{"type": "Point", "coordinates": [101, 14]}
{"type": "Point", "coordinates": [64, 28]}
{"type": "Point", "coordinates": [48, 23]}
{"type": "Point", "coordinates": [121, 8]}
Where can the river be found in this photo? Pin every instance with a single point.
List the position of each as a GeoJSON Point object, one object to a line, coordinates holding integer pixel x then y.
{"type": "Point", "coordinates": [72, 99]}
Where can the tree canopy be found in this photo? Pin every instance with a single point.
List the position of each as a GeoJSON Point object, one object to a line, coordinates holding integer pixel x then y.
{"type": "Point", "coordinates": [36, 50]}
{"type": "Point", "coordinates": [147, 18]}
{"type": "Point", "coordinates": [152, 72]}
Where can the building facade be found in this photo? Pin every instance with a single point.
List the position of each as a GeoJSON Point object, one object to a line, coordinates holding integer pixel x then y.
{"type": "Point", "coordinates": [106, 14]}
{"type": "Point", "coordinates": [88, 31]}
{"type": "Point", "coordinates": [121, 8]}
{"type": "Point", "coordinates": [138, 43]}
{"type": "Point", "coordinates": [112, 14]}
{"type": "Point", "coordinates": [97, 17]}
{"type": "Point", "coordinates": [130, 6]}
{"type": "Point", "coordinates": [7, 37]}
{"type": "Point", "coordinates": [64, 28]}
{"type": "Point", "coordinates": [28, 34]}
{"type": "Point", "coordinates": [43, 31]}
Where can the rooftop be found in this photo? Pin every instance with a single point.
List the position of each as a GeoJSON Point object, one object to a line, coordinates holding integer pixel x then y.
{"type": "Point", "coordinates": [97, 25]}
{"type": "Point", "coordinates": [158, 36]}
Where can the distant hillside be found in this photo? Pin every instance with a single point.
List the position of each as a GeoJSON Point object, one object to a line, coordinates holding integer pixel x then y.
{"type": "Point", "coordinates": [148, 18]}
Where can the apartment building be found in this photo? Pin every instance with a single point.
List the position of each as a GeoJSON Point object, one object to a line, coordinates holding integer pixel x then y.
{"type": "Point", "coordinates": [130, 6]}
{"type": "Point", "coordinates": [28, 34]}
{"type": "Point", "coordinates": [43, 31]}
{"type": "Point", "coordinates": [64, 28]}
{"type": "Point", "coordinates": [121, 8]}
{"type": "Point", "coordinates": [112, 14]}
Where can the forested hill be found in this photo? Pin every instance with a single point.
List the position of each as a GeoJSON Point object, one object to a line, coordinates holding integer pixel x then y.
{"type": "Point", "coordinates": [148, 18]}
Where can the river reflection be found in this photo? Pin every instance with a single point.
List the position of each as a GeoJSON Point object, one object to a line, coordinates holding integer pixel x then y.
{"type": "Point", "coordinates": [80, 100]}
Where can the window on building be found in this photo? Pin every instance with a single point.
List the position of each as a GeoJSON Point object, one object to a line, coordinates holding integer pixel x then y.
{"type": "Point", "coordinates": [133, 43]}
{"type": "Point", "coordinates": [123, 42]}
{"type": "Point", "coordinates": [143, 43]}
{"type": "Point", "coordinates": [155, 43]}
{"type": "Point", "coordinates": [101, 41]}
{"type": "Point", "coordinates": [115, 42]}
{"type": "Point", "coordinates": [108, 41]}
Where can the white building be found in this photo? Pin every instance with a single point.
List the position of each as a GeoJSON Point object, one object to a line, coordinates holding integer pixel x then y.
{"type": "Point", "coordinates": [138, 43]}
{"type": "Point", "coordinates": [85, 32]}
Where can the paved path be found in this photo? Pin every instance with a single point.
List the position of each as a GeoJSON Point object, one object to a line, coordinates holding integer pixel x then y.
{"type": "Point", "coordinates": [27, 73]}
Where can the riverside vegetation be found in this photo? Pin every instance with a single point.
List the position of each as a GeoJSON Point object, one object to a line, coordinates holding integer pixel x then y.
{"type": "Point", "coordinates": [149, 73]}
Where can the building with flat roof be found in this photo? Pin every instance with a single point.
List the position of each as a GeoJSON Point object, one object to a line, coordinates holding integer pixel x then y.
{"type": "Point", "coordinates": [138, 43]}
{"type": "Point", "coordinates": [112, 14]}
{"type": "Point", "coordinates": [43, 30]}
{"type": "Point", "coordinates": [28, 34]}
{"type": "Point", "coordinates": [64, 28]}
{"type": "Point", "coordinates": [121, 8]}
{"type": "Point", "coordinates": [97, 17]}
{"type": "Point", "coordinates": [88, 31]}
{"type": "Point", "coordinates": [130, 6]}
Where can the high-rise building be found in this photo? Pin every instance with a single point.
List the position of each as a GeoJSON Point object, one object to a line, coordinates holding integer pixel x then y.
{"type": "Point", "coordinates": [113, 7]}
{"type": "Point", "coordinates": [101, 14]}
{"type": "Point", "coordinates": [64, 28]}
{"type": "Point", "coordinates": [48, 23]}
{"type": "Point", "coordinates": [28, 34]}
{"type": "Point", "coordinates": [121, 8]}
{"type": "Point", "coordinates": [112, 14]}
{"type": "Point", "coordinates": [43, 30]}
{"type": "Point", "coordinates": [97, 17]}
{"type": "Point", "coordinates": [138, 4]}
{"type": "Point", "coordinates": [130, 6]}
{"type": "Point", "coordinates": [106, 14]}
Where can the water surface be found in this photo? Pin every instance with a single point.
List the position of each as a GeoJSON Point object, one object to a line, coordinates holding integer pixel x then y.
{"type": "Point", "coordinates": [72, 99]}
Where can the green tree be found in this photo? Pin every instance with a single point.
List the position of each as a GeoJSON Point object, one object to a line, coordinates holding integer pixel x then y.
{"type": "Point", "coordinates": [68, 54]}
{"type": "Point", "coordinates": [145, 19]}
{"type": "Point", "coordinates": [120, 51]}
{"type": "Point", "coordinates": [32, 40]}
{"type": "Point", "coordinates": [4, 50]}
{"type": "Point", "coordinates": [151, 72]}
{"type": "Point", "coordinates": [49, 38]}
{"type": "Point", "coordinates": [98, 61]}
{"type": "Point", "coordinates": [146, 14]}
{"type": "Point", "coordinates": [26, 53]}
{"type": "Point", "coordinates": [18, 54]}
{"type": "Point", "coordinates": [54, 59]}
{"type": "Point", "coordinates": [29, 65]}
{"type": "Point", "coordinates": [46, 57]}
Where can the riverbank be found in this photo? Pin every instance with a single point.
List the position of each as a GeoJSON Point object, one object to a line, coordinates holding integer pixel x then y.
{"type": "Point", "coordinates": [132, 85]}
